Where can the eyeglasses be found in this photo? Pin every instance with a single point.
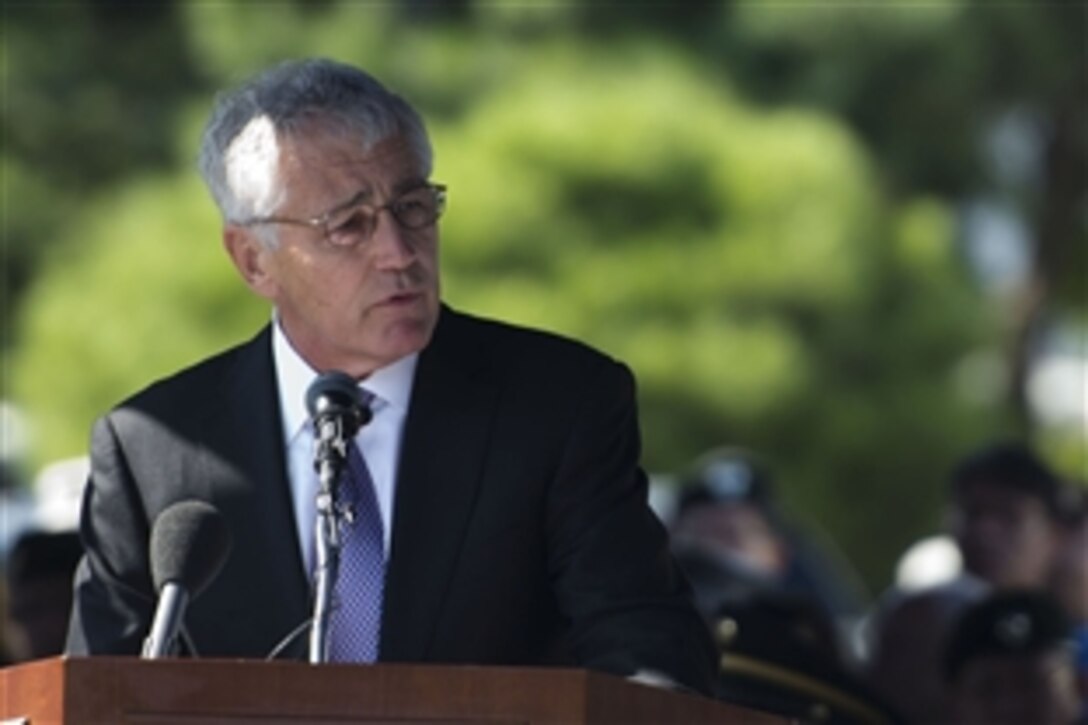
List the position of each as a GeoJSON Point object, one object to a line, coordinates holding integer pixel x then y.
{"type": "Point", "coordinates": [354, 221]}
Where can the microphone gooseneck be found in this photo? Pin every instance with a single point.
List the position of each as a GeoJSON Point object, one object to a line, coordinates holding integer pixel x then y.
{"type": "Point", "coordinates": [190, 542]}
{"type": "Point", "coordinates": [335, 405]}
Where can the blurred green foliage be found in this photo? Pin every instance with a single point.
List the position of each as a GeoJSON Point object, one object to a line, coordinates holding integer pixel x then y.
{"type": "Point", "coordinates": [776, 279]}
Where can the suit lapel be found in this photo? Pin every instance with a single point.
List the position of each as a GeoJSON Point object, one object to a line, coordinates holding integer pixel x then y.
{"type": "Point", "coordinates": [445, 442]}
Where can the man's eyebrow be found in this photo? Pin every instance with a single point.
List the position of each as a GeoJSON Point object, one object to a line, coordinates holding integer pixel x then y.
{"type": "Point", "coordinates": [364, 194]}
{"type": "Point", "coordinates": [409, 184]}
{"type": "Point", "coordinates": [360, 196]}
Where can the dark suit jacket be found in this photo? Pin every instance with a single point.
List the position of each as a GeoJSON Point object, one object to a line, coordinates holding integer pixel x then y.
{"type": "Point", "coordinates": [520, 525]}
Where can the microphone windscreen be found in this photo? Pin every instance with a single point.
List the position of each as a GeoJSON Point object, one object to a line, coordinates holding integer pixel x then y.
{"type": "Point", "coordinates": [190, 542]}
{"type": "Point", "coordinates": [332, 389]}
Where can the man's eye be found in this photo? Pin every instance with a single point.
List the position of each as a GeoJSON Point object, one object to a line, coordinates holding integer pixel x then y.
{"type": "Point", "coordinates": [354, 223]}
{"type": "Point", "coordinates": [409, 206]}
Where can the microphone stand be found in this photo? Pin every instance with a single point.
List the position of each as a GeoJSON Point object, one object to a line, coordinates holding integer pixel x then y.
{"type": "Point", "coordinates": [331, 457]}
{"type": "Point", "coordinates": [168, 616]}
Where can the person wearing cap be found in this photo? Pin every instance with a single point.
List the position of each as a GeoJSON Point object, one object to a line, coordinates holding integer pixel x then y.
{"type": "Point", "coordinates": [731, 538]}
{"type": "Point", "coordinates": [780, 653]}
{"type": "Point", "coordinates": [1009, 662]}
{"type": "Point", "coordinates": [1006, 513]}
{"type": "Point", "coordinates": [908, 631]}
{"type": "Point", "coordinates": [1070, 585]}
{"type": "Point", "coordinates": [773, 615]}
{"type": "Point", "coordinates": [39, 593]}
{"type": "Point", "coordinates": [725, 532]}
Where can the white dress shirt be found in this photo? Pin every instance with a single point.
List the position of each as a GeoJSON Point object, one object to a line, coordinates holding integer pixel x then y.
{"type": "Point", "coordinates": [379, 441]}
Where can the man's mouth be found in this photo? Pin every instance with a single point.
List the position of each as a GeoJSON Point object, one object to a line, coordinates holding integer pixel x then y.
{"type": "Point", "coordinates": [401, 298]}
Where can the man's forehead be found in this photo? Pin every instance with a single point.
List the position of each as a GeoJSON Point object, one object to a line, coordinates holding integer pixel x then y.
{"type": "Point", "coordinates": [338, 167]}
{"type": "Point", "coordinates": [340, 146]}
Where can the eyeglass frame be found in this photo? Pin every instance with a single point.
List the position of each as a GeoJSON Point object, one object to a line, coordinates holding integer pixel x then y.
{"type": "Point", "coordinates": [321, 221]}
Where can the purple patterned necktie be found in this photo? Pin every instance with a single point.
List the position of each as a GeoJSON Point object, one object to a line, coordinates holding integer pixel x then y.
{"type": "Point", "coordinates": [356, 618]}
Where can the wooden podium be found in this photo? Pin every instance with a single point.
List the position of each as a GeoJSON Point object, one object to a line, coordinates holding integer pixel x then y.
{"type": "Point", "coordinates": [119, 690]}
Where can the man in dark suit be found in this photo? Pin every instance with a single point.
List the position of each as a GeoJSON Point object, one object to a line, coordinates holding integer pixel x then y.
{"type": "Point", "coordinates": [503, 462]}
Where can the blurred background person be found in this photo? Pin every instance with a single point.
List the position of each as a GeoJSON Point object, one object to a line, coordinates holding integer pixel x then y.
{"type": "Point", "coordinates": [778, 603]}
{"type": "Point", "coordinates": [725, 531]}
{"type": "Point", "coordinates": [1009, 662]}
{"type": "Point", "coordinates": [909, 632]}
{"type": "Point", "coordinates": [780, 653]}
{"type": "Point", "coordinates": [19, 501]}
{"type": "Point", "coordinates": [733, 540]}
{"type": "Point", "coordinates": [1006, 511]}
{"type": "Point", "coordinates": [1006, 516]}
{"type": "Point", "coordinates": [781, 604]}
{"type": "Point", "coordinates": [1071, 584]}
{"type": "Point", "coordinates": [39, 545]}
{"type": "Point", "coordinates": [39, 593]}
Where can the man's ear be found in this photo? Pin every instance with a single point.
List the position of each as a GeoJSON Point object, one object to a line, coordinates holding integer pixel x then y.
{"type": "Point", "coordinates": [251, 258]}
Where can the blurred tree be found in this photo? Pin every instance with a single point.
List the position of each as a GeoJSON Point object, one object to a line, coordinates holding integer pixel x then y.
{"type": "Point", "coordinates": [147, 290]}
{"type": "Point", "coordinates": [739, 259]}
{"type": "Point", "coordinates": [965, 100]}
{"type": "Point", "coordinates": [747, 266]}
{"type": "Point", "coordinates": [90, 95]}
{"type": "Point", "coordinates": [980, 104]}
{"type": "Point", "coordinates": [755, 205]}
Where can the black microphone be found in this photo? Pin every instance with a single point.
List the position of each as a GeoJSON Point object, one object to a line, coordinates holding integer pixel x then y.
{"type": "Point", "coordinates": [190, 542]}
{"type": "Point", "coordinates": [337, 409]}
{"type": "Point", "coordinates": [334, 404]}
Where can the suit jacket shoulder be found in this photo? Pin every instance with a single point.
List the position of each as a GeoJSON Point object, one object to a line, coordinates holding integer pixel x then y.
{"type": "Point", "coordinates": [506, 354]}
{"type": "Point", "coordinates": [211, 432]}
{"type": "Point", "coordinates": [201, 385]}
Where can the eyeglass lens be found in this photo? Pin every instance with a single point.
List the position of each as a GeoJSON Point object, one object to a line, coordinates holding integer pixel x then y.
{"type": "Point", "coordinates": [414, 209]}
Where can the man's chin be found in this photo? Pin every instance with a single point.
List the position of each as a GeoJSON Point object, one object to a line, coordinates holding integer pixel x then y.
{"type": "Point", "coordinates": [406, 337]}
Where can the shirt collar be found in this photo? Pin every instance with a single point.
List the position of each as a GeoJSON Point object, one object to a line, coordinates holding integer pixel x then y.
{"type": "Point", "coordinates": [390, 385]}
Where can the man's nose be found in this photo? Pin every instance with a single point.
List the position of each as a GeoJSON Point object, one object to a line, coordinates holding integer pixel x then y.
{"type": "Point", "coordinates": [390, 243]}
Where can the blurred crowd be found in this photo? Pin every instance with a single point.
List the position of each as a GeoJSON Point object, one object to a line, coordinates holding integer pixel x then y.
{"type": "Point", "coordinates": [39, 550]}
{"type": "Point", "coordinates": [986, 623]}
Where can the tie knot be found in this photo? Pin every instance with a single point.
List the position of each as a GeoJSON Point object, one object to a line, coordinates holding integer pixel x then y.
{"type": "Point", "coordinates": [367, 403]}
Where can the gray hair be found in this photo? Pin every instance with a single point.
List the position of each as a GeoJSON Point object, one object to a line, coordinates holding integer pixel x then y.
{"type": "Point", "coordinates": [239, 150]}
